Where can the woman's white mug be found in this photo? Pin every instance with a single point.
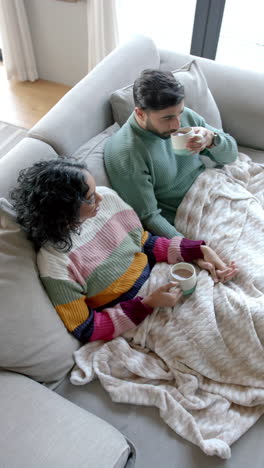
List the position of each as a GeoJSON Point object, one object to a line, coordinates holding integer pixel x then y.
{"type": "Point", "coordinates": [185, 274]}
{"type": "Point", "coordinates": [180, 138]}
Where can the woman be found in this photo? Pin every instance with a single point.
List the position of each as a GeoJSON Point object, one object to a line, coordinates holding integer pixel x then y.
{"type": "Point", "coordinates": [92, 252]}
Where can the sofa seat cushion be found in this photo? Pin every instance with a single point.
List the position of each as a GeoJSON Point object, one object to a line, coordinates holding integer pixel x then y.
{"type": "Point", "coordinates": [33, 339]}
{"type": "Point", "coordinates": [40, 429]}
{"type": "Point", "coordinates": [197, 96]}
{"type": "Point", "coordinates": [256, 155]}
{"type": "Point", "coordinates": [157, 445]}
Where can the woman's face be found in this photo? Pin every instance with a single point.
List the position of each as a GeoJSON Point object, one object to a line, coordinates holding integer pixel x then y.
{"type": "Point", "coordinates": [90, 206]}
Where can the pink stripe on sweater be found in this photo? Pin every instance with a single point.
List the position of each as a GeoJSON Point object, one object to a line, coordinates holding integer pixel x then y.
{"type": "Point", "coordinates": [103, 327]}
{"type": "Point", "coordinates": [174, 250]}
{"type": "Point", "coordinates": [161, 249]}
{"type": "Point", "coordinates": [91, 254]}
{"type": "Point", "coordinates": [120, 320]}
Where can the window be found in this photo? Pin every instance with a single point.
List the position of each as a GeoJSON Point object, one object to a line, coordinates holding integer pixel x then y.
{"type": "Point", "coordinates": [168, 22]}
{"type": "Point", "coordinates": [229, 31]}
{"type": "Point", "coordinates": [241, 41]}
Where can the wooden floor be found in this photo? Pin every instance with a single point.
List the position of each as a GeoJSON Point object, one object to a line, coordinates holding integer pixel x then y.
{"type": "Point", "coordinates": [24, 103]}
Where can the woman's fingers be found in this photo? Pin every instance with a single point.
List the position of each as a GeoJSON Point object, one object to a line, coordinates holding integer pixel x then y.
{"type": "Point", "coordinates": [213, 272]}
{"type": "Point", "coordinates": [210, 267]}
{"type": "Point", "coordinates": [163, 296]}
{"type": "Point", "coordinates": [177, 294]}
{"type": "Point", "coordinates": [173, 296]}
{"type": "Point", "coordinates": [211, 256]}
{"type": "Point", "coordinates": [168, 286]}
{"type": "Point", "coordinates": [228, 273]}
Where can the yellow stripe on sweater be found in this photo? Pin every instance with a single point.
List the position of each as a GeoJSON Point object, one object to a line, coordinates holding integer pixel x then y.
{"type": "Point", "coordinates": [122, 284]}
{"type": "Point", "coordinates": [144, 237]}
{"type": "Point", "coordinates": [74, 313]}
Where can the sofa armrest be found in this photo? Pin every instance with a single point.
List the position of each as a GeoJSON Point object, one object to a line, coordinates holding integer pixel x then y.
{"type": "Point", "coordinates": [85, 110]}
{"type": "Point", "coordinates": [239, 95]}
{"type": "Point", "coordinates": [39, 428]}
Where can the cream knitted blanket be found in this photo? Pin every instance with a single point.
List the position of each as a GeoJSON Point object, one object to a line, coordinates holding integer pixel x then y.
{"type": "Point", "coordinates": [202, 363]}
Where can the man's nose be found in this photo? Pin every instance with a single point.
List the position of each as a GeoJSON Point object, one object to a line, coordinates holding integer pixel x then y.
{"type": "Point", "coordinates": [175, 123]}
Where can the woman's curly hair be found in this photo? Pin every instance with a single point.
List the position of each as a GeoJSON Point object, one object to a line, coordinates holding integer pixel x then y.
{"type": "Point", "coordinates": [47, 201]}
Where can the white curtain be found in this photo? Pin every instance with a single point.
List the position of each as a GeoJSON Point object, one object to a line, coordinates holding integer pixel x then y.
{"type": "Point", "coordinates": [17, 45]}
{"type": "Point", "coordinates": [102, 30]}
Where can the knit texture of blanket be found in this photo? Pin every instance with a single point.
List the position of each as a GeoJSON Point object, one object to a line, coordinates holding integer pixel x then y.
{"type": "Point", "coordinates": [201, 363]}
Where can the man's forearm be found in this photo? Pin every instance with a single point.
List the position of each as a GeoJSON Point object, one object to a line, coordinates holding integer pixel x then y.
{"type": "Point", "coordinates": [226, 152]}
{"type": "Point", "coordinates": [159, 226]}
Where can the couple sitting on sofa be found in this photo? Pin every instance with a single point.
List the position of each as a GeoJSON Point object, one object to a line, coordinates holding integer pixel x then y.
{"type": "Point", "coordinates": [93, 252]}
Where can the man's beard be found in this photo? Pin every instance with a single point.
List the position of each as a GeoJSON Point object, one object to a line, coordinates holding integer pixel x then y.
{"type": "Point", "coordinates": [152, 129]}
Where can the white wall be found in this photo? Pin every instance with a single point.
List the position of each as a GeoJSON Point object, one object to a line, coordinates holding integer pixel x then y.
{"type": "Point", "coordinates": [60, 39]}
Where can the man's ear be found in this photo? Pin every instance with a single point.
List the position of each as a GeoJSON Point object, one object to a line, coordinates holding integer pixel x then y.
{"type": "Point", "coordinates": [140, 113]}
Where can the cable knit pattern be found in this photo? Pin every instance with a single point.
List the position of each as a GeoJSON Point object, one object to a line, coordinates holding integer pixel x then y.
{"type": "Point", "coordinates": [94, 286]}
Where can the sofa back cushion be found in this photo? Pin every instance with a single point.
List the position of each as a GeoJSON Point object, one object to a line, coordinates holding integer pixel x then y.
{"type": "Point", "coordinates": [197, 96]}
{"type": "Point", "coordinates": [91, 153]}
{"type": "Point", "coordinates": [24, 154]}
{"type": "Point", "coordinates": [33, 339]}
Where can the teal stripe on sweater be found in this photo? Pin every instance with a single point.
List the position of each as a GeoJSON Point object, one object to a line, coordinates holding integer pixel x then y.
{"type": "Point", "coordinates": [62, 291]}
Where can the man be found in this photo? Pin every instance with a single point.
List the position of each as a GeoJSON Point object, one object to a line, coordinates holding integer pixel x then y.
{"type": "Point", "coordinates": [140, 161]}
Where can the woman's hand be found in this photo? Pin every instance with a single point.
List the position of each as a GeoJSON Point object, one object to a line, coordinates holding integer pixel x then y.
{"type": "Point", "coordinates": [213, 263]}
{"type": "Point", "coordinates": [164, 296]}
{"type": "Point", "coordinates": [202, 139]}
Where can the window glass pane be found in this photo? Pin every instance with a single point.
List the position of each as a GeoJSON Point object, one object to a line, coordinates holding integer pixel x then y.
{"type": "Point", "coordinates": [168, 22]}
{"type": "Point", "coordinates": [241, 41]}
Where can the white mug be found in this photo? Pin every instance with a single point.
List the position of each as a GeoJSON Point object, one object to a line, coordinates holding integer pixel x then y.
{"type": "Point", "coordinates": [185, 274]}
{"type": "Point", "coordinates": [180, 138]}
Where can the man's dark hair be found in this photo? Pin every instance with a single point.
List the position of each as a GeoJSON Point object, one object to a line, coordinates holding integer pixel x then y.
{"type": "Point", "coordinates": [47, 201]}
{"type": "Point", "coordinates": [157, 90]}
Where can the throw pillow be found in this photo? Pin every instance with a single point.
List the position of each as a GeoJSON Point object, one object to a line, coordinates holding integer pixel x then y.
{"type": "Point", "coordinates": [198, 96]}
{"type": "Point", "coordinates": [33, 339]}
{"type": "Point", "coordinates": [91, 153]}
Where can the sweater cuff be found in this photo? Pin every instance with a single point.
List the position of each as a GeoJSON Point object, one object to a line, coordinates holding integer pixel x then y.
{"type": "Point", "coordinates": [191, 250]}
{"type": "Point", "coordinates": [147, 308]}
{"type": "Point", "coordinates": [135, 310]}
{"type": "Point", "coordinates": [184, 250]}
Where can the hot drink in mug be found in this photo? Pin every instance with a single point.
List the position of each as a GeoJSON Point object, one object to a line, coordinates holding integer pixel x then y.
{"type": "Point", "coordinates": [185, 274]}
{"type": "Point", "coordinates": [180, 138]}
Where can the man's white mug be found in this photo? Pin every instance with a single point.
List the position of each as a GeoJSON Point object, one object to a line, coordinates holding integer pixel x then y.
{"type": "Point", "coordinates": [185, 274]}
{"type": "Point", "coordinates": [180, 138]}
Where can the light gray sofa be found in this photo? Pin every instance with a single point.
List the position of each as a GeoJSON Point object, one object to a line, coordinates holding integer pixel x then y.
{"type": "Point", "coordinates": [45, 420]}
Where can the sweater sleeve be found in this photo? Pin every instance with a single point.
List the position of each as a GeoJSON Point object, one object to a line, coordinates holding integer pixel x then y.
{"type": "Point", "coordinates": [226, 151]}
{"type": "Point", "coordinates": [132, 180]}
{"type": "Point", "coordinates": [86, 323]}
{"type": "Point", "coordinates": [177, 249]}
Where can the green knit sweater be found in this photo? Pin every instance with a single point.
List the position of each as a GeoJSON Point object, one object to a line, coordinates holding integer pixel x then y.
{"type": "Point", "coordinates": [149, 175]}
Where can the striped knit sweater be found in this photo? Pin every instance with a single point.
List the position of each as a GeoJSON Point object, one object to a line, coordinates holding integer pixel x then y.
{"type": "Point", "coordinates": [94, 286]}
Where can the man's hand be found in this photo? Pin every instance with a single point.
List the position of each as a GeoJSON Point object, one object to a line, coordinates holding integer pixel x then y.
{"type": "Point", "coordinates": [163, 297]}
{"type": "Point", "coordinates": [218, 269]}
{"type": "Point", "coordinates": [203, 138]}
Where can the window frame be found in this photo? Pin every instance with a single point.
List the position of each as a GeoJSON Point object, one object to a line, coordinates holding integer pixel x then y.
{"type": "Point", "coordinates": [206, 28]}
